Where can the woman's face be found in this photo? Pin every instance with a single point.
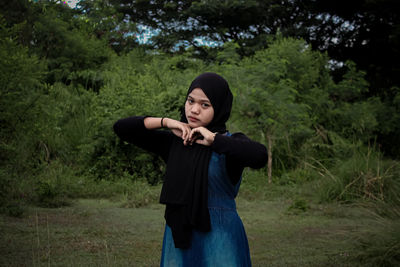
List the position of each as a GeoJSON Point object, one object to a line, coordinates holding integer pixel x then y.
{"type": "Point", "coordinates": [198, 109]}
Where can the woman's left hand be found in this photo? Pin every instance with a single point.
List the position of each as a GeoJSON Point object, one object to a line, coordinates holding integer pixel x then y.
{"type": "Point", "coordinates": [208, 137]}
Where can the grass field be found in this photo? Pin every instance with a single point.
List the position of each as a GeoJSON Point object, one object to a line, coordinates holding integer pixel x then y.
{"type": "Point", "coordinates": [100, 232]}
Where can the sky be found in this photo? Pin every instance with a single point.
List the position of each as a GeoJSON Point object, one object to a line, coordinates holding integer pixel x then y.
{"type": "Point", "coordinates": [142, 38]}
{"type": "Point", "coordinates": [71, 3]}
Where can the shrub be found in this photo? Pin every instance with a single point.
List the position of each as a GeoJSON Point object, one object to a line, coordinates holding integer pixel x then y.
{"type": "Point", "coordinates": [140, 194]}
{"type": "Point", "coordinates": [298, 206]}
{"type": "Point", "coordinates": [49, 195]}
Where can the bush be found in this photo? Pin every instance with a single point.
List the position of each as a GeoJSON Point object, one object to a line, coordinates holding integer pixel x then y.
{"type": "Point", "coordinates": [52, 187]}
{"type": "Point", "coordinates": [140, 194]}
{"type": "Point", "coordinates": [49, 195]}
{"type": "Point", "coordinates": [298, 206]}
{"type": "Point", "coordinates": [12, 208]}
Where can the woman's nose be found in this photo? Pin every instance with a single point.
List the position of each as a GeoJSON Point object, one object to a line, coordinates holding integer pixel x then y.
{"type": "Point", "coordinates": [195, 109]}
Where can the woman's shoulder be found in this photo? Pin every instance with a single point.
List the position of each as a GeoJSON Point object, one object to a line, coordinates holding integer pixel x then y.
{"type": "Point", "coordinates": [238, 135]}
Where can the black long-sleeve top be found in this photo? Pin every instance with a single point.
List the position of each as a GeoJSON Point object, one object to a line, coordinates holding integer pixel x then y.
{"type": "Point", "coordinates": [240, 151]}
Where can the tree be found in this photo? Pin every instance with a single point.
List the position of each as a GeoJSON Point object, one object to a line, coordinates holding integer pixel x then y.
{"type": "Point", "coordinates": [103, 19]}
{"type": "Point", "coordinates": [367, 33]}
{"type": "Point", "coordinates": [272, 95]}
{"type": "Point", "coordinates": [21, 76]}
{"type": "Point", "coordinates": [274, 114]}
{"type": "Point", "coordinates": [58, 34]}
{"type": "Point", "coordinates": [364, 31]}
{"type": "Point", "coordinates": [190, 23]}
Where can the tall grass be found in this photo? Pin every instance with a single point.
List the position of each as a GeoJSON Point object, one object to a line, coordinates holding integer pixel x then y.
{"type": "Point", "coordinates": [369, 180]}
{"type": "Point", "coordinates": [366, 175]}
{"type": "Point", "coordinates": [378, 244]}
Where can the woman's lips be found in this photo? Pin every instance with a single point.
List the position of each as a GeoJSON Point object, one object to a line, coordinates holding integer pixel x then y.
{"type": "Point", "coordinates": [192, 119]}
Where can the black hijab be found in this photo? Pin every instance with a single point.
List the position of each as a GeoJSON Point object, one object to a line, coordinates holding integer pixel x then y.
{"type": "Point", "coordinates": [186, 180]}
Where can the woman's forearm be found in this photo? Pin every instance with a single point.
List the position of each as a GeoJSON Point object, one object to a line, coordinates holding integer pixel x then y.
{"type": "Point", "coordinates": [134, 130]}
{"type": "Point", "coordinates": [152, 123]}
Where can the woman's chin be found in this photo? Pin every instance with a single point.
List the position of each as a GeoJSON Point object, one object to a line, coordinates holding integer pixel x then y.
{"type": "Point", "coordinates": [193, 124]}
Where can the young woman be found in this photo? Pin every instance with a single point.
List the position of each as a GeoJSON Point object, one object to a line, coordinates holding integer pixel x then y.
{"type": "Point", "coordinates": [203, 175]}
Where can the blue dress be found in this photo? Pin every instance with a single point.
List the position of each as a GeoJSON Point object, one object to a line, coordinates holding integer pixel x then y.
{"type": "Point", "coordinates": [226, 244]}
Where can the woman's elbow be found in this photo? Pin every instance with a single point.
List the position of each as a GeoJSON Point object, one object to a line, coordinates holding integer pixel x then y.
{"type": "Point", "coordinates": [261, 158]}
{"type": "Point", "coordinates": [121, 129]}
{"type": "Point", "coordinates": [117, 127]}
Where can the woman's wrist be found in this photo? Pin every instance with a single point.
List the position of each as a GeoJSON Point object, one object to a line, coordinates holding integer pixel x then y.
{"type": "Point", "coordinates": [213, 137]}
{"type": "Point", "coordinates": [165, 122]}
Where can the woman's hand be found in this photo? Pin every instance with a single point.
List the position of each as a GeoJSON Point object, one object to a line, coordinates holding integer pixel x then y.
{"type": "Point", "coordinates": [178, 128]}
{"type": "Point", "coordinates": [196, 135]}
{"type": "Point", "coordinates": [199, 135]}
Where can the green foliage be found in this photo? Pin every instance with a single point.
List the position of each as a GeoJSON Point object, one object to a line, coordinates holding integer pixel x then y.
{"type": "Point", "coordinates": [13, 209]}
{"type": "Point", "coordinates": [20, 79]}
{"type": "Point", "coordinates": [388, 118]}
{"type": "Point", "coordinates": [285, 98]}
{"type": "Point", "coordinates": [326, 147]}
{"type": "Point", "coordinates": [21, 88]}
{"type": "Point", "coordinates": [275, 93]}
{"type": "Point", "coordinates": [62, 88]}
{"type": "Point", "coordinates": [40, 123]}
{"type": "Point", "coordinates": [56, 33]}
{"type": "Point", "coordinates": [48, 196]}
{"type": "Point", "coordinates": [135, 84]}
{"type": "Point", "coordinates": [102, 18]}
{"type": "Point", "coordinates": [73, 55]}
{"type": "Point", "coordinates": [141, 194]}
{"type": "Point", "coordinates": [229, 54]}
{"type": "Point", "coordinates": [371, 40]}
{"type": "Point", "coordinates": [52, 187]}
{"type": "Point", "coordinates": [352, 85]}
{"type": "Point", "coordinates": [352, 115]}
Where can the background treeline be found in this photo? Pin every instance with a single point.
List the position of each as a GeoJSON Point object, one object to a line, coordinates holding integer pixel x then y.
{"type": "Point", "coordinates": [316, 82]}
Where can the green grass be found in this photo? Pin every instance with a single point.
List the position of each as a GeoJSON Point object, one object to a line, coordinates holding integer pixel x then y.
{"type": "Point", "coordinates": [279, 237]}
{"type": "Point", "coordinates": [88, 233]}
{"type": "Point", "coordinates": [101, 232]}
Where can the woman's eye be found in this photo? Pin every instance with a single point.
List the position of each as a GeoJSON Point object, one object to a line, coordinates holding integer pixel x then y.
{"type": "Point", "coordinates": [205, 105]}
{"type": "Point", "coordinates": [190, 101]}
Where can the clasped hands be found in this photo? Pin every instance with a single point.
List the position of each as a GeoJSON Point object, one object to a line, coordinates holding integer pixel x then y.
{"type": "Point", "coordinates": [199, 135]}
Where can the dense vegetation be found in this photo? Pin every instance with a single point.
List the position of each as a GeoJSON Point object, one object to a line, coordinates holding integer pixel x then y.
{"type": "Point", "coordinates": [330, 119]}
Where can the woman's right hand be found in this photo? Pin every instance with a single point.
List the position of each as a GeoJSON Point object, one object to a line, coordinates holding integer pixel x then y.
{"type": "Point", "coordinates": [180, 129]}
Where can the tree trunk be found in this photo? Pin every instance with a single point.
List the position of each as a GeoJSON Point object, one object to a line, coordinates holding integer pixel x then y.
{"type": "Point", "coordinates": [269, 148]}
